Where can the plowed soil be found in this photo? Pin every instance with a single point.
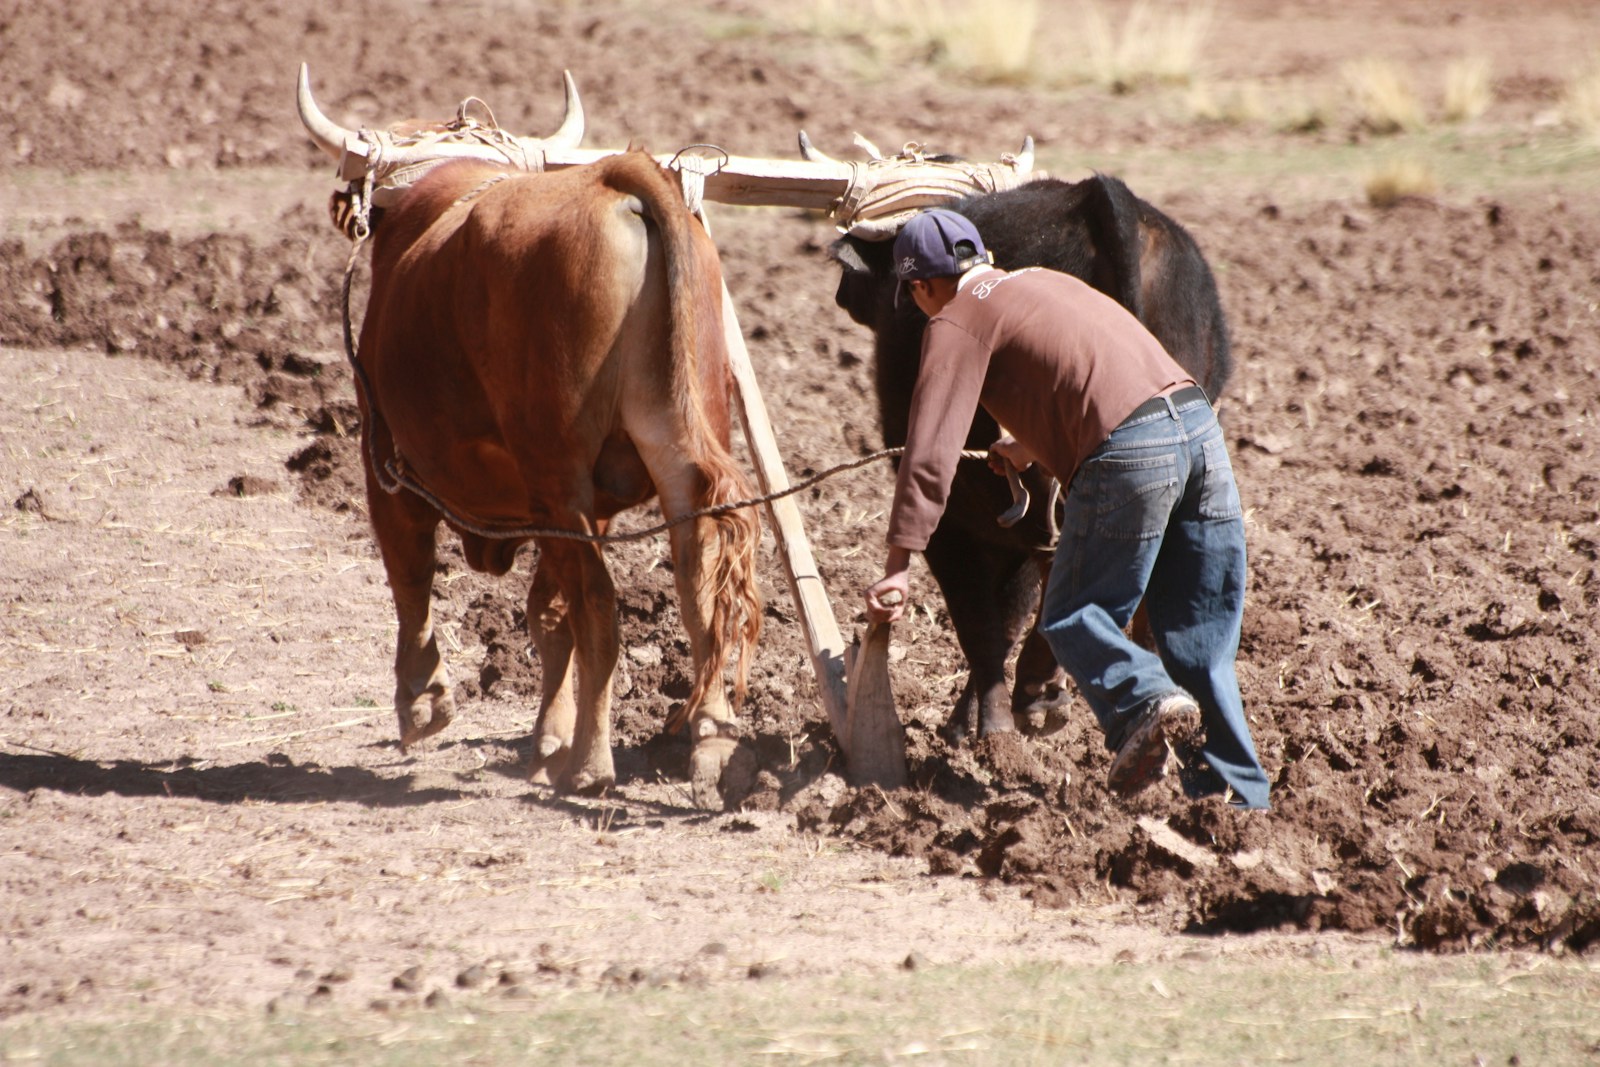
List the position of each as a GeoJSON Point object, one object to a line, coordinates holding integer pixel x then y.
{"type": "Point", "coordinates": [201, 797]}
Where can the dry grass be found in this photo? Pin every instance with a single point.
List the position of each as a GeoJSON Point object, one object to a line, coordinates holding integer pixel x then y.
{"type": "Point", "coordinates": [1236, 105]}
{"type": "Point", "coordinates": [999, 40]}
{"type": "Point", "coordinates": [1305, 115]}
{"type": "Point", "coordinates": [842, 17]}
{"type": "Point", "coordinates": [1399, 180]}
{"type": "Point", "coordinates": [1467, 91]}
{"type": "Point", "coordinates": [1581, 103]}
{"type": "Point", "coordinates": [1154, 45]}
{"type": "Point", "coordinates": [1220, 1007]}
{"type": "Point", "coordinates": [1385, 101]}
{"type": "Point", "coordinates": [992, 40]}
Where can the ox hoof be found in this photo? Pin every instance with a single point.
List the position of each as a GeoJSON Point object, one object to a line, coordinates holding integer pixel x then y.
{"type": "Point", "coordinates": [549, 762]}
{"type": "Point", "coordinates": [997, 722]}
{"type": "Point", "coordinates": [442, 709]}
{"type": "Point", "coordinates": [590, 783]}
{"type": "Point", "coordinates": [955, 731]}
{"type": "Point", "coordinates": [1046, 715]}
{"type": "Point", "coordinates": [958, 726]}
{"type": "Point", "coordinates": [588, 776]}
{"type": "Point", "coordinates": [722, 772]}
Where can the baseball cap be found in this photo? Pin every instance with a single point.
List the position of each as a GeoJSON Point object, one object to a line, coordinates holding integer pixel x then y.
{"type": "Point", "coordinates": [934, 244]}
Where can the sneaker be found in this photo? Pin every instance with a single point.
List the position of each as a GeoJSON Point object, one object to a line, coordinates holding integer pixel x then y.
{"type": "Point", "coordinates": [1142, 758]}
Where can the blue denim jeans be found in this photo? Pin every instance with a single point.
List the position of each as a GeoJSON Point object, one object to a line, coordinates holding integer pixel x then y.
{"type": "Point", "coordinates": [1154, 514]}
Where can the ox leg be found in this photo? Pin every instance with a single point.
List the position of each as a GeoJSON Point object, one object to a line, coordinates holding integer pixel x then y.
{"type": "Point", "coordinates": [406, 531]}
{"type": "Point", "coordinates": [716, 751]}
{"type": "Point", "coordinates": [579, 573]}
{"type": "Point", "coordinates": [976, 591]}
{"type": "Point", "coordinates": [550, 627]}
{"type": "Point", "coordinates": [1039, 697]}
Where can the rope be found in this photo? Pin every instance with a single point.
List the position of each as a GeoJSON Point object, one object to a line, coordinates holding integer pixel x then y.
{"type": "Point", "coordinates": [392, 178]}
{"type": "Point", "coordinates": [398, 479]}
{"type": "Point", "coordinates": [524, 532]}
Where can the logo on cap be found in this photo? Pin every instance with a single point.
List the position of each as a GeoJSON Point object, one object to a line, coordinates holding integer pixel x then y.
{"type": "Point", "coordinates": [937, 243]}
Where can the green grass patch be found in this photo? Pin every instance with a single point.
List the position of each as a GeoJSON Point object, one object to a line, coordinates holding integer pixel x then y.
{"type": "Point", "coordinates": [1391, 1010]}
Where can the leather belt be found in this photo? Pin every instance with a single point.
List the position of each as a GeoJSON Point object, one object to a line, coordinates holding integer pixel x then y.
{"type": "Point", "coordinates": [1157, 405]}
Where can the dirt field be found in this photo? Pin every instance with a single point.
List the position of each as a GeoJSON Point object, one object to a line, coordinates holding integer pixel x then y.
{"type": "Point", "coordinates": [201, 798]}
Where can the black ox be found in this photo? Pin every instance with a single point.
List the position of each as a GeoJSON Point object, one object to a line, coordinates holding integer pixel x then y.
{"type": "Point", "coordinates": [991, 576]}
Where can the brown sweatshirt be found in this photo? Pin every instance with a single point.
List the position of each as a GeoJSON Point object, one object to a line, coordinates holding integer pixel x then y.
{"type": "Point", "coordinates": [1056, 362]}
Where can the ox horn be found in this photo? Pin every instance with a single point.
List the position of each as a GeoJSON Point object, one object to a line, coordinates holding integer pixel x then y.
{"type": "Point", "coordinates": [1023, 160]}
{"type": "Point", "coordinates": [811, 153]}
{"type": "Point", "coordinates": [868, 147]}
{"type": "Point", "coordinates": [570, 133]}
{"type": "Point", "coordinates": [329, 135]}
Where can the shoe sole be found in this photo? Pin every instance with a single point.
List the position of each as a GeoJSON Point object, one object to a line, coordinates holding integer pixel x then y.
{"type": "Point", "coordinates": [1142, 759]}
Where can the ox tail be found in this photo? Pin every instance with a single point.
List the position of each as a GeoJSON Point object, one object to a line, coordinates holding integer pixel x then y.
{"type": "Point", "coordinates": [694, 293]}
{"type": "Point", "coordinates": [1113, 216]}
{"type": "Point", "coordinates": [735, 621]}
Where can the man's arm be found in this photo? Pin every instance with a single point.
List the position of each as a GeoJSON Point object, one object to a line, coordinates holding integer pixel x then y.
{"type": "Point", "coordinates": [943, 404]}
{"type": "Point", "coordinates": [942, 407]}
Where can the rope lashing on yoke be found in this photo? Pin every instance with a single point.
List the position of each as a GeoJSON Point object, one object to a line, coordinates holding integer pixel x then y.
{"type": "Point", "coordinates": [381, 176]}
{"type": "Point", "coordinates": [885, 191]}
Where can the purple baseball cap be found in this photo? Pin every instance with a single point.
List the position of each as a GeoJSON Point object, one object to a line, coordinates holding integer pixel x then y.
{"type": "Point", "coordinates": [926, 246]}
{"type": "Point", "coordinates": [935, 244]}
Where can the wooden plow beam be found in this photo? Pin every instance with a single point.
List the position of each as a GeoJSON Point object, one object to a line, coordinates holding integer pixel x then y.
{"type": "Point", "coordinates": [854, 685]}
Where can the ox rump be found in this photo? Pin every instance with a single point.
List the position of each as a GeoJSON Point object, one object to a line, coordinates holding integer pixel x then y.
{"type": "Point", "coordinates": [547, 350]}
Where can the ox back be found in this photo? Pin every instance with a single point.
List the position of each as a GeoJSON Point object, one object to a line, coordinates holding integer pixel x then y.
{"type": "Point", "coordinates": [1096, 230]}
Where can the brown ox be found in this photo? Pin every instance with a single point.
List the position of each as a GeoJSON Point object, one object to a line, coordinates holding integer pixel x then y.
{"type": "Point", "coordinates": [546, 350]}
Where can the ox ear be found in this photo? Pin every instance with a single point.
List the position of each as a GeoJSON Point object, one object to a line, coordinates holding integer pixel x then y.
{"type": "Point", "coordinates": [864, 278]}
{"type": "Point", "coordinates": [867, 255]}
{"type": "Point", "coordinates": [847, 253]}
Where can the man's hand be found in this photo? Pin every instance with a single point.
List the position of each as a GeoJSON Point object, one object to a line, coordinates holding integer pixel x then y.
{"type": "Point", "coordinates": [887, 599]}
{"type": "Point", "coordinates": [1009, 450]}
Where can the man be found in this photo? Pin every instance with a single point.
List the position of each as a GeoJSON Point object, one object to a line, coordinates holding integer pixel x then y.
{"type": "Point", "coordinates": [1151, 513]}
